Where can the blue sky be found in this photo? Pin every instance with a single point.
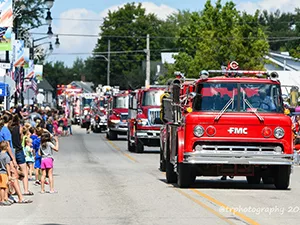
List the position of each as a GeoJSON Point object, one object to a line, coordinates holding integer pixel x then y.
{"type": "Point", "coordinates": [64, 10]}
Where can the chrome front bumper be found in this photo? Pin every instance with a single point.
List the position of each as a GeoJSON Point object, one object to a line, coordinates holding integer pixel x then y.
{"type": "Point", "coordinates": [243, 158]}
{"type": "Point", "coordinates": [101, 124]}
{"type": "Point", "coordinates": [119, 127]}
{"type": "Point", "coordinates": [148, 134]}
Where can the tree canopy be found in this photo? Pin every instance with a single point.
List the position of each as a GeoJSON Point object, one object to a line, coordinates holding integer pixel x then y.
{"type": "Point", "coordinates": [204, 39]}
{"type": "Point", "coordinates": [217, 35]}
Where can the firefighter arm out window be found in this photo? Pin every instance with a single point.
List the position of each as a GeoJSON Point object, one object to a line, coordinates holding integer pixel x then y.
{"type": "Point", "coordinates": [262, 97]}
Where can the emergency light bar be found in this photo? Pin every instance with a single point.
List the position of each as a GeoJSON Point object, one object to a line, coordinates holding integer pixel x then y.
{"type": "Point", "coordinates": [272, 75]}
{"type": "Point", "coordinates": [155, 86]}
{"type": "Point", "coordinates": [239, 71]}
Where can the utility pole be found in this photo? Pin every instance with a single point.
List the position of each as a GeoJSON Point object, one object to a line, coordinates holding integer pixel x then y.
{"type": "Point", "coordinates": [147, 83]}
{"type": "Point", "coordinates": [108, 63]}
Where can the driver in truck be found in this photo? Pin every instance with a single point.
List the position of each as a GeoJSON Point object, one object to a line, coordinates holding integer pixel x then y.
{"type": "Point", "coordinates": [266, 102]}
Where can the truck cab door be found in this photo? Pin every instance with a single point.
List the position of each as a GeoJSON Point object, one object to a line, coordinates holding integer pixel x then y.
{"type": "Point", "coordinates": [132, 112]}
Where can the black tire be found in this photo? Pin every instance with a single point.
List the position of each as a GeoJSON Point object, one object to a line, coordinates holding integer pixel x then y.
{"type": "Point", "coordinates": [268, 180]}
{"type": "Point", "coordinates": [139, 146]}
{"type": "Point", "coordinates": [171, 176]}
{"type": "Point", "coordinates": [130, 146]}
{"type": "Point", "coordinates": [282, 177]}
{"type": "Point", "coordinates": [112, 135]}
{"type": "Point", "coordinates": [162, 165]}
{"type": "Point", "coordinates": [184, 175]}
{"type": "Point", "coordinates": [253, 179]}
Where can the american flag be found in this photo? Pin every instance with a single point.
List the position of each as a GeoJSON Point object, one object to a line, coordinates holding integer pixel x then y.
{"type": "Point", "coordinates": [34, 86]}
{"type": "Point", "coordinates": [19, 78]}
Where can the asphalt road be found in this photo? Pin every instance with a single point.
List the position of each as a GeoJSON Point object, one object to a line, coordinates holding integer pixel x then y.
{"type": "Point", "coordinates": [100, 182]}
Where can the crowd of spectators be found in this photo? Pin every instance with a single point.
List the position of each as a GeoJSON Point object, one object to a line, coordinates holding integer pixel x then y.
{"type": "Point", "coordinates": [28, 137]}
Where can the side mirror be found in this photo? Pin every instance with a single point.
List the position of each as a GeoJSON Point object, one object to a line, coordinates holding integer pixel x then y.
{"type": "Point", "coordinates": [192, 95]}
{"type": "Point", "coordinates": [274, 75]}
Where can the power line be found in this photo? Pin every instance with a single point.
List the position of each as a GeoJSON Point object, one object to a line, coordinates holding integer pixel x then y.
{"type": "Point", "coordinates": [264, 23]}
{"type": "Point", "coordinates": [165, 37]}
{"type": "Point", "coordinates": [79, 19]}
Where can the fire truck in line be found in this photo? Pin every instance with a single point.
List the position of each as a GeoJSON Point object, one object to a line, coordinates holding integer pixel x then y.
{"type": "Point", "coordinates": [117, 114]}
{"type": "Point", "coordinates": [232, 125]}
{"type": "Point", "coordinates": [144, 121]}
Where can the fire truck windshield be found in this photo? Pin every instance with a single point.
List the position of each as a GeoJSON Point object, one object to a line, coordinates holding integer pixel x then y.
{"type": "Point", "coordinates": [152, 98]}
{"type": "Point", "coordinates": [244, 97]}
{"type": "Point", "coordinates": [121, 102]}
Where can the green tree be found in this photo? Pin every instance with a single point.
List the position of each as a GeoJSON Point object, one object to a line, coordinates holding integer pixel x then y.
{"type": "Point", "coordinates": [57, 73]}
{"type": "Point", "coordinates": [32, 15]}
{"type": "Point", "coordinates": [283, 29]}
{"type": "Point", "coordinates": [217, 35]}
{"type": "Point", "coordinates": [126, 29]}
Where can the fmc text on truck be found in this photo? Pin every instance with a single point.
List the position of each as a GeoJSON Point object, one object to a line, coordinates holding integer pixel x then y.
{"type": "Point", "coordinates": [231, 125]}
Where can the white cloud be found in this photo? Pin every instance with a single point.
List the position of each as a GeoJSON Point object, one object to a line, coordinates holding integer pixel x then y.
{"type": "Point", "coordinates": [162, 11]}
{"type": "Point", "coordinates": [270, 5]}
{"type": "Point", "coordinates": [79, 26]}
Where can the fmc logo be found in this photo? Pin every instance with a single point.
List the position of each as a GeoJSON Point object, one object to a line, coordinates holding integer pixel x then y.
{"type": "Point", "coordinates": [236, 130]}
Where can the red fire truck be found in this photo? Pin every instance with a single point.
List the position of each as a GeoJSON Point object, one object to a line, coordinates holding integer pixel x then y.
{"type": "Point", "coordinates": [117, 114]}
{"type": "Point", "coordinates": [232, 125]}
{"type": "Point", "coordinates": [144, 118]}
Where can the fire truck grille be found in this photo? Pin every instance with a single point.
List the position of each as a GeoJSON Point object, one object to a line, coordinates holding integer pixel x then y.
{"type": "Point", "coordinates": [153, 115]}
{"type": "Point", "coordinates": [123, 117]}
{"type": "Point", "coordinates": [237, 147]}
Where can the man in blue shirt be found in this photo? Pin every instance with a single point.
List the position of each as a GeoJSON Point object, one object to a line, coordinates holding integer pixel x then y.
{"type": "Point", "coordinates": [266, 102]}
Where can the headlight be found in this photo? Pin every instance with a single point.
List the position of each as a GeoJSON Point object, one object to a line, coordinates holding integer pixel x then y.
{"type": "Point", "coordinates": [198, 131]}
{"type": "Point", "coordinates": [115, 121]}
{"type": "Point", "coordinates": [278, 149]}
{"type": "Point", "coordinates": [142, 122]}
{"type": "Point", "coordinates": [279, 132]}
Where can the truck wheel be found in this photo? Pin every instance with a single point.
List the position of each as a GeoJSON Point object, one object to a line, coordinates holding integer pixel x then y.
{"type": "Point", "coordinates": [268, 180]}
{"type": "Point", "coordinates": [184, 175]}
{"type": "Point", "coordinates": [162, 166]}
{"type": "Point", "coordinates": [253, 179]}
{"type": "Point", "coordinates": [282, 177]}
{"type": "Point", "coordinates": [171, 176]}
{"type": "Point", "coordinates": [130, 146]}
{"type": "Point", "coordinates": [139, 148]}
{"type": "Point", "coordinates": [112, 135]}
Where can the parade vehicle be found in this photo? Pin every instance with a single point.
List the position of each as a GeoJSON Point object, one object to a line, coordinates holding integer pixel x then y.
{"type": "Point", "coordinates": [232, 125]}
{"type": "Point", "coordinates": [117, 114]}
{"type": "Point", "coordinates": [144, 118]}
{"type": "Point", "coordinates": [99, 121]}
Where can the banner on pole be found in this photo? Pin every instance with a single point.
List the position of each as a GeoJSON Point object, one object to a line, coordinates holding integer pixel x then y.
{"type": "Point", "coordinates": [38, 72]}
{"type": "Point", "coordinates": [19, 53]}
{"type": "Point", "coordinates": [5, 38]}
{"type": "Point", "coordinates": [29, 72]}
{"type": "Point", "coordinates": [26, 57]}
{"type": "Point", "coordinates": [6, 13]}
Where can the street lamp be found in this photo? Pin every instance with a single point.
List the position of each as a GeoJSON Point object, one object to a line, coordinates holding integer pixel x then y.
{"type": "Point", "coordinates": [57, 43]}
{"type": "Point", "coordinates": [49, 3]}
{"type": "Point", "coordinates": [48, 18]}
{"type": "Point", "coordinates": [50, 48]}
{"type": "Point", "coordinates": [50, 33]}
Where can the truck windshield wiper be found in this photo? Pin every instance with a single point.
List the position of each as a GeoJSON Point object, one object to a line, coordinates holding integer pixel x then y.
{"type": "Point", "coordinates": [224, 109]}
{"type": "Point", "coordinates": [261, 119]}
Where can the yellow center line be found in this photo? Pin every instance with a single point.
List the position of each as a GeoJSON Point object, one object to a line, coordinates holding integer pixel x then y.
{"type": "Point", "coordinates": [205, 206]}
{"type": "Point", "coordinates": [228, 209]}
{"type": "Point", "coordinates": [118, 149]}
